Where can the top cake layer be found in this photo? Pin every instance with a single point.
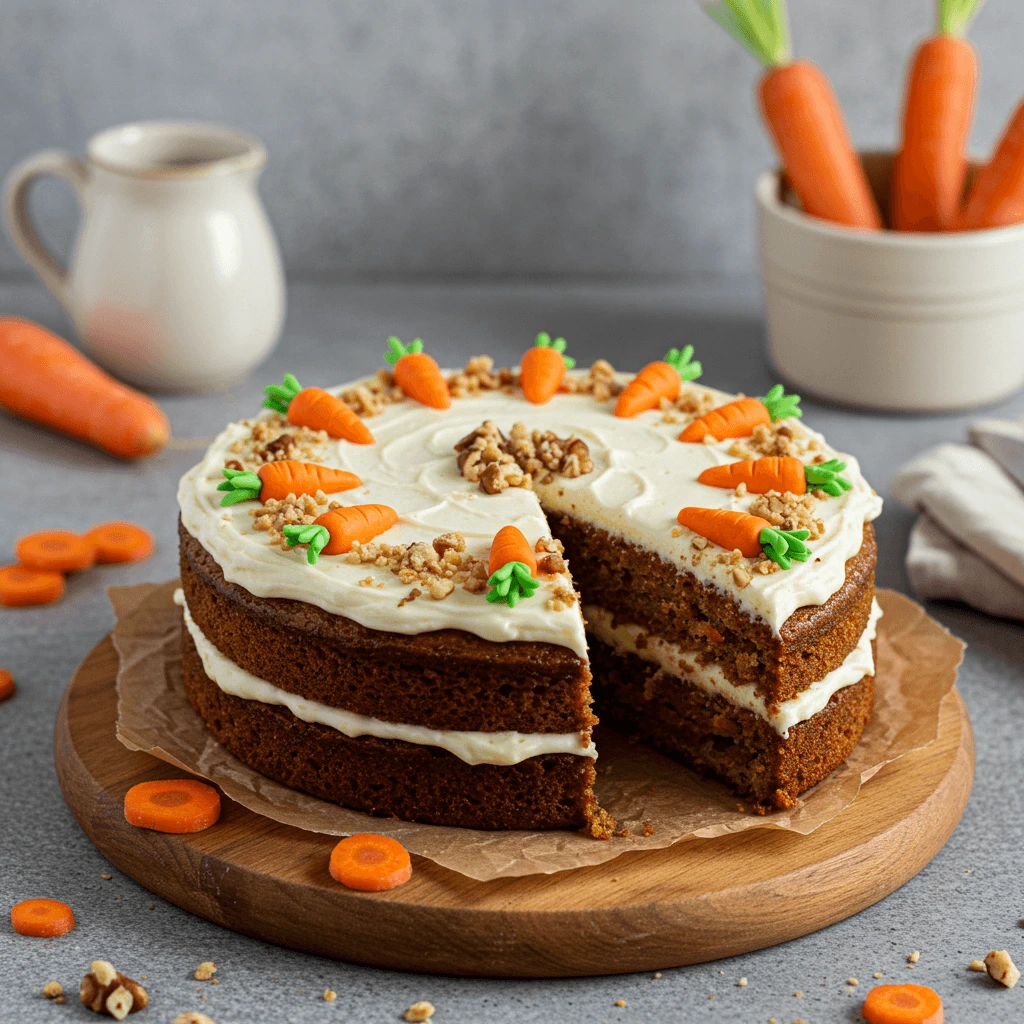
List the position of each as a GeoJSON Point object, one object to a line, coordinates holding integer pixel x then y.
{"type": "Point", "coordinates": [641, 477]}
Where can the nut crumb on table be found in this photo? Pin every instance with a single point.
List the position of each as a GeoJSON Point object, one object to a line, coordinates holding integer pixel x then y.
{"type": "Point", "coordinates": [53, 990]}
{"type": "Point", "coordinates": [1001, 968]}
{"type": "Point", "coordinates": [330, 995]}
{"type": "Point", "coordinates": [192, 1017]}
{"type": "Point", "coordinates": [913, 957]}
{"type": "Point", "coordinates": [106, 990]}
{"type": "Point", "coordinates": [205, 971]}
{"type": "Point", "coordinates": [977, 966]}
{"type": "Point", "coordinates": [420, 1011]}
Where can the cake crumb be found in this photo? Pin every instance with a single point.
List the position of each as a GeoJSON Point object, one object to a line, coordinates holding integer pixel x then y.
{"type": "Point", "coordinates": [742, 983]}
{"type": "Point", "coordinates": [205, 971]}
{"type": "Point", "coordinates": [1001, 968]}
{"type": "Point", "coordinates": [648, 829]}
{"type": "Point", "coordinates": [330, 995]}
{"type": "Point", "coordinates": [411, 596]}
{"type": "Point", "coordinates": [419, 1012]}
{"type": "Point", "coordinates": [914, 957]}
{"type": "Point", "coordinates": [561, 599]}
{"type": "Point", "coordinates": [602, 826]}
{"type": "Point", "coordinates": [53, 990]}
{"type": "Point", "coordinates": [977, 966]}
{"type": "Point", "coordinates": [741, 490]}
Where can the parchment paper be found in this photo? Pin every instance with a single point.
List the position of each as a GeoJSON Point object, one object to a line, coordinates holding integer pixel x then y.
{"type": "Point", "coordinates": [916, 668]}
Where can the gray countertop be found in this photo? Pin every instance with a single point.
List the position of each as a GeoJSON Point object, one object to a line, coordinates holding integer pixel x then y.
{"type": "Point", "coordinates": [966, 902]}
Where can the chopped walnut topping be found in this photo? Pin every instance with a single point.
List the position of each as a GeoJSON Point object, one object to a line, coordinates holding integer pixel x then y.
{"type": "Point", "coordinates": [272, 438]}
{"type": "Point", "coordinates": [1001, 968]}
{"type": "Point", "coordinates": [561, 599]}
{"type": "Point", "coordinates": [789, 512]}
{"type": "Point", "coordinates": [410, 597]}
{"type": "Point", "coordinates": [598, 381]}
{"type": "Point", "coordinates": [693, 401]}
{"type": "Point", "coordinates": [438, 566]}
{"type": "Point", "coordinates": [205, 971]}
{"type": "Point", "coordinates": [741, 577]}
{"type": "Point", "coordinates": [551, 564]}
{"type": "Point", "coordinates": [419, 1012]}
{"type": "Point", "coordinates": [478, 376]}
{"type": "Point", "coordinates": [105, 990]}
{"type": "Point", "coordinates": [274, 515]}
{"type": "Point", "coordinates": [784, 438]}
{"type": "Point", "coordinates": [368, 398]}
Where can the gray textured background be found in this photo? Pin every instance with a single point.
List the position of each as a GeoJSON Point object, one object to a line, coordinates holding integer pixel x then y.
{"type": "Point", "coordinates": [470, 137]}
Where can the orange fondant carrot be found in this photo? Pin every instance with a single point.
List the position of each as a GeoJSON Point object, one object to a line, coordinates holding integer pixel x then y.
{"type": "Point", "coordinates": [20, 586]}
{"type": "Point", "coordinates": [336, 531]}
{"type": "Point", "coordinates": [316, 409]}
{"type": "Point", "coordinates": [509, 545]}
{"type": "Point", "coordinates": [173, 805]}
{"type": "Point", "coordinates": [738, 419]}
{"type": "Point", "coordinates": [370, 863]}
{"type": "Point", "coordinates": [7, 687]}
{"type": "Point", "coordinates": [279, 479]}
{"type": "Point", "coordinates": [776, 473]}
{"type": "Point", "coordinates": [55, 551]}
{"type": "Point", "coordinates": [656, 381]}
{"type": "Point", "coordinates": [417, 374]}
{"type": "Point", "coordinates": [42, 918]}
{"type": "Point", "coordinates": [902, 1004]}
{"type": "Point", "coordinates": [542, 369]}
{"type": "Point", "coordinates": [512, 568]}
{"type": "Point", "coordinates": [120, 542]}
{"type": "Point", "coordinates": [746, 533]}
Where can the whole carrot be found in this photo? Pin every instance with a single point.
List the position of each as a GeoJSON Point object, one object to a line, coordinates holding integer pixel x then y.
{"type": "Point", "coordinates": [542, 369]}
{"type": "Point", "coordinates": [47, 381]}
{"type": "Point", "coordinates": [656, 381]}
{"type": "Point", "coordinates": [509, 545]}
{"type": "Point", "coordinates": [512, 567]}
{"type": "Point", "coordinates": [802, 115]}
{"type": "Point", "coordinates": [749, 534]}
{"type": "Point", "coordinates": [417, 374]}
{"type": "Point", "coordinates": [778, 473]}
{"type": "Point", "coordinates": [316, 409]}
{"type": "Point", "coordinates": [738, 419]}
{"type": "Point", "coordinates": [279, 479]}
{"type": "Point", "coordinates": [996, 197]}
{"type": "Point", "coordinates": [931, 166]}
{"type": "Point", "coordinates": [336, 531]}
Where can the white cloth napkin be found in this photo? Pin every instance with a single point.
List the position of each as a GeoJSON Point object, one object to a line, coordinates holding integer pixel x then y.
{"type": "Point", "coordinates": [968, 544]}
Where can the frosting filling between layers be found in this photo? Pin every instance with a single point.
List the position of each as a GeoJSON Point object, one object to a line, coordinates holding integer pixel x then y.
{"type": "Point", "coordinates": [782, 717]}
{"type": "Point", "coordinates": [499, 748]}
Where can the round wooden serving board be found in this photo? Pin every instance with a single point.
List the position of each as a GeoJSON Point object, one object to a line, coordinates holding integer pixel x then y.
{"type": "Point", "coordinates": [693, 902]}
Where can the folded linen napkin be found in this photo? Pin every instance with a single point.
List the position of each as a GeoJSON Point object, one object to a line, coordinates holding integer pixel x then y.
{"type": "Point", "coordinates": [968, 544]}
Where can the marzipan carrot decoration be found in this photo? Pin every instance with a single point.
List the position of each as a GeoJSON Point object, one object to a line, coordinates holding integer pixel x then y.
{"type": "Point", "coordinates": [370, 863]}
{"type": "Point", "coordinates": [802, 115]}
{"type": "Point", "coordinates": [656, 381]}
{"type": "Point", "coordinates": [7, 687]}
{"type": "Point", "coordinates": [417, 374]}
{"type": "Point", "coordinates": [750, 534]}
{"type": "Point", "coordinates": [336, 531]}
{"type": "Point", "coordinates": [902, 1004]}
{"type": "Point", "coordinates": [279, 479]}
{"type": "Point", "coordinates": [738, 419]}
{"type": "Point", "coordinates": [120, 542]}
{"type": "Point", "coordinates": [42, 918]}
{"type": "Point", "coordinates": [316, 409]}
{"type": "Point", "coordinates": [777, 473]}
{"type": "Point", "coordinates": [931, 166]}
{"type": "Point", "coordinates": [173, 805]}
{"type": "Point", "coordinates": [47, 381]}
{"type": "Point", "coordinates": [996, 197]}
{"type": "Point", "coordinates": [542, 369]}
{"type": "Point", "coordinates": [55, 551]}
{"type": "Point", "coordinates": [21, 587]}
{"type": "Point", "coordinates": [512, 567]}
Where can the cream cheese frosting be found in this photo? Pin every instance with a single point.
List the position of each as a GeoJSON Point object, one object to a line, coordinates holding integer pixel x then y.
{"type": "Point", "coordinates": [860, 662]}
{"type": "Point", "coordinates": [642, 477]}
{"type": "Point", "coordinates": [501, 748]}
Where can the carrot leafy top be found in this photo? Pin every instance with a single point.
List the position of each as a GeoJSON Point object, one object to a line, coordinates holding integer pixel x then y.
{"type": "Point", "coordinates": [241, 485]}
{"type": "Point", "coordinates": [680, 362]}
{"type": "Point", "coordinates": [825, 477]}
{"type": "Point", "coordinates": [783, 546]}
{"type": "Point", "coordinates": [955, 16]}
{"type": "Point", "coordinates": [780, 406]}
{"type": "Point", "coordinates": [317, 537]}
{"type": "Point", "coordinates": [279, 396]}
{"type": "Point", "coordinates": [760, 26]}
{"type": "Point", "coordinates": [544, 341]}
{"type": "Point", "coordinates": [396, 349]}
{"type": "Point", "coordinates": [510, 583]}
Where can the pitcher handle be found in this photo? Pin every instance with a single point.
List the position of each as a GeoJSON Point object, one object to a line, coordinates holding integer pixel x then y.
{"type": "Point", "coordinates": [19, 221]}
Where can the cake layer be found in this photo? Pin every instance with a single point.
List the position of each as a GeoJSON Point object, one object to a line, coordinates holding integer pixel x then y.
{"type": "Point", "coordinates": [387, 777]}
{"type": "Point", "coordinates": [447, 680]}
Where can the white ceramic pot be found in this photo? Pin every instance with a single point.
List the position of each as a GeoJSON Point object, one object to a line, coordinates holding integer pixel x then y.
{"type": "Point", "coordinates": [891, 320]}
{"type": "Point", "coordinates": [175, 280]}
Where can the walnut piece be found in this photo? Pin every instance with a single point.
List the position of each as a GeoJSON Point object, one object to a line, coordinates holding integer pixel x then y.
{"type": "Point", "coordinates": [272, 438]}
{"type": "Point", "coordinates": [371, 396]}
{"type": "Point", "coordinates": [599, 381]}
{"type": "Point", "coordinates": [789, 512]}
{"type": "Point", "coordinates": [106, 990]}
{"type": "Point", "coordinates": [205, 971]}
{"type": "Point", "coordinates": [480, 376]}
{"type": "Point", "coordinates": [192, 1017]}
{"type": "Point", "coordinates": [53, 990]}
{"type": "Point", "coordinates": [419, 1012]}
{"type": "Point", "coordinates": [1001, 968]}
{"type": "Point", "coordinates": [439, 566]}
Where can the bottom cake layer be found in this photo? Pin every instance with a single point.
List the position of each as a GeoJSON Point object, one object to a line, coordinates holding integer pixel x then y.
{"type": "Point", "coordinates": [391, 778]}
{"type": "Point", "coordinates": [715, 738]}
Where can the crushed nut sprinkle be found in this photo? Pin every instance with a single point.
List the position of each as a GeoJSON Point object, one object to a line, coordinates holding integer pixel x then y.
{"type": "Point", "coordinates": [693, 401]}
{"type": "Point", "coordinates": [598, 381]}
{"type": "Point", "coordinates": [479, 376]}
{"type": "Point", "coordinates": [274, 515]}
{"type": "Point", "coordinates": [561, 600]}
{"type": "Point", "coordinates": [438, 567]}
{"type": "Point", "coordinates": [789, 512]}
{"type": "Point", "coordinates": [272, 438]}
{"type": "Point", "coordinates": [784, 438]}
{"type": "Point", "coordinates": [369, 398]}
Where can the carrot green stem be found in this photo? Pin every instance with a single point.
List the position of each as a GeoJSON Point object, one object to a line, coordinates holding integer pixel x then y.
{"type": "Point", "coordinates": [761, 26]}
{"type": "Point", "coordinates": [241, 485]}
{"type": "Point", "coordinates": [780, 405]}
{"type": "Point", "coordinates": [825, 477]}
{"type": "Point", "coordinates": [544, 341]}
{"type": "Point", "coordinates": [317, 537]}
{"type": "Point", "coordinates": [783, 545]}
{"type": "Point", "coordinates": [396, 349]}
{"type": "Point", "coordinates": [955, 16]}
{"type": "Point", "coordinates": [510, 583]}
{"type": "Point", "coordinates": [680, 362]}
{"type": "Point", "coordinates": [279, 396]}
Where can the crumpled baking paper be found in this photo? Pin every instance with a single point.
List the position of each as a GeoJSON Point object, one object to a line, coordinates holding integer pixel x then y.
{"type": "Point", "coordinates": [916, 668]}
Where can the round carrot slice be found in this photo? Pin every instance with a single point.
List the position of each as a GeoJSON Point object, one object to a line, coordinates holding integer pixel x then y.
{"type": "Point", "coordinates": [902, 1004]}
{"type": "Point", "coordinates": [55, 551]}
{"type": "Point", "coordinates": [42, 918]}
{"type": "Point", "coordinates": [120, 542]}
{"type": "Point", "coordinates": [20, 586]}
{"type": "Point", "coordinates": [370, 863]}
{"type": "Point", "coordinates": [7, 686]}
{"type": "Point", "coordinates": [172, 805]}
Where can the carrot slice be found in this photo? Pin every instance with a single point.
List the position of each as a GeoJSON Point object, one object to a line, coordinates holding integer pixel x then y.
{"type": "Point", "coordinates": [120, 542]}
{"type": "Point", "coordinates": [42, 918]}
{"type": "Point", "coordinates": [370, 863]}
{"type": "Point", "coordinates": [172, 805]}
{"type": "Point", "coordinates": [7, 686]}
{"type": "Point", "coordinates": [902, 1004]}
{"type": "Point", "coordinates": [55, 551]}
{"type": "Point", "coordinates": [20, 586]}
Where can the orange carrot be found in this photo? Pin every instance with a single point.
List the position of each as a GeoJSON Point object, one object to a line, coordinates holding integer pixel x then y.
{"type": "Point", "coordinates": [512, 568]}
{"type": "Point", "coordinates": [803, 117]}
{"type": "Point", "coordinates": [336, 531]}
{"type": "Point", "coordinates": [20, 587]}
{"type": "Point", "coordinates": [42, 918]}
{"type": "Point", "coordinates": [279, 479]}
{"type": "Point", "coordinates": [749, 534]}
{"type": "Point", "coordinates": [120, 542]}
{"type": "Point", "coordinates": [996, 197]}
{"type": "Point", "coordinates": [775, 473]}
{"type": "Point", "coordinates": [931, 166]}
{"type": "Point", "coordinates": [172, 805]}
{"type": "Point", "coordinates": [738, 419]}
{"type": "Point", "coordinates": [370, 863]}
{"type": "Point", "coordinates": [509, 545]}
{"type": "Point", "coordinates": [657, 381]}
{"type": "Point", "coordinates": [55, 551]}
{"type": "Point", "coordinates": [47, 381]}
{"type": "Point", "coordinates": [7, 687]}
{"type": "Point", "coordinates": [542, 369]}
{"type": "Point", "coordinates": [902, 1004]}
{"type": "Point", "coordinates": [417, 374]}
{"type": "Point", "coordinates": [316, 409]}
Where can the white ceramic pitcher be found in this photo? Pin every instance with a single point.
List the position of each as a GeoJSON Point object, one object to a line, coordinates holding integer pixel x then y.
{"type": "Point", "coordinates": [175, 279]}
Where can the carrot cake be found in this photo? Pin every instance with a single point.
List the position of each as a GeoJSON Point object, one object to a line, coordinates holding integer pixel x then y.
{"type": "Point", "coordinates": [379, 607]}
